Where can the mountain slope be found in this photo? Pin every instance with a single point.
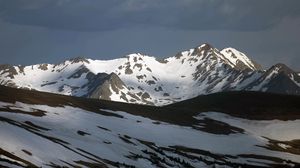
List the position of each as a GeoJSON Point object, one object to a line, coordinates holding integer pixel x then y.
{"type": "Point", "coordinates": [240, 60]}
{"type": "Point", "coordinates": [142, 79]}
{"type": "Point", "coordinates": [92, 133]}
{"type": "Point", "coordinates": [278, 79]}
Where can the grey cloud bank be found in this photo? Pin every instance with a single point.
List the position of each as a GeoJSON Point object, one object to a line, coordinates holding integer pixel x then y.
{"type": "Point", "coordinates": [94, 15]}
{"type": "Point", "coordinates": [37, 31]}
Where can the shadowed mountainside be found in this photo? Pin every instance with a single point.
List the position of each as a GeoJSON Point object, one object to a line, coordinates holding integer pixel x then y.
{"type": "Point", "coordinates": [250, 105]}
{"type": "Point", "coordinates": [199, 132]}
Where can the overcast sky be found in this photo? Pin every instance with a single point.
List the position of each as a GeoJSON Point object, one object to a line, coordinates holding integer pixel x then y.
{"type": "Point", "coordinates": [50, 31]}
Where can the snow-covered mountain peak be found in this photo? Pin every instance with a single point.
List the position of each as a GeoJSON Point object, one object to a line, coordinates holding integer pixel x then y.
{"type": "Point", "coordinates": [208, 54]}
{"type": "Point", "coordinates": [239, 59]}
{"type": "Point", "coordinates": [280, 69]}
{"type": "Point", "coordinates": [139, 78]}
{"type": "Point", "coordinates": [205, 45]}
{"type": "Point", "coordinates": [138, 57]}
{"type": "Point", "coordinates": [279, 79]}
{"type": "Point", "coordinates": [195, 52]}
{"type": "Point", "coordinates": [78, 60]}
{"type": "Point", "coordinates": [202, 50]}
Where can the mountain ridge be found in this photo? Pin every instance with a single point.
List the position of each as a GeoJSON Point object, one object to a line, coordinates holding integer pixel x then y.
{"type": "Point", "coordinates": [145, 79]}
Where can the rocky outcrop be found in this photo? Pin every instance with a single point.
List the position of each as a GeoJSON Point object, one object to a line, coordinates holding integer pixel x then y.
{"type": "Point", "coordinates": [8, 70]}
{"type": "Point", "coordinates": [105, 85]}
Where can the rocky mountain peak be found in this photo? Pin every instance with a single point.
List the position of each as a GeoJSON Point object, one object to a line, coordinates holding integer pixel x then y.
{"type": "Point", "coordinates": [139, 78]}
{"type": "Point", "coordinates": [281, 68]}
{"type": "Point", "coordinates": [114, 79]}
{"type": "Point", "coordinates": [79, 60]}
{"type": "Point", "coordinates": [202, 49]}
{"type": "Point", "coordinates": [240, 60]}
{"type": "Point", "coordinates": [135, 57]}
{"type": "Point", "coordinates": [205, 46]}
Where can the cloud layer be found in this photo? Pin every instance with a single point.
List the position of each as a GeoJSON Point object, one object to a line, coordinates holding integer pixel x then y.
{"type": "Point", "coordinates": [95, 15]}
{"type": "Point", "coordinates": [35, 31]}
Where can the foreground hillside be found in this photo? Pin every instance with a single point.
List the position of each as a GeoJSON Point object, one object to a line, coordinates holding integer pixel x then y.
{"type": "Point", "coordinates": [232, 129]}
{"type": "Point", "coordinates": [142, 79]}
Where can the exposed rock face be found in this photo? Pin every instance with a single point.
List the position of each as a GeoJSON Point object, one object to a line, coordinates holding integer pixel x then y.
{"type": "Point", "coordinates": [202, 50]}
{"type": "Point", "coordinates": [94, 81]}
{"type": "Point", "coordinates": [82, 70]}
{"type": "Point", "coordinates": [278, 79]}
{"type": "Point", "coordinates": [8, 70]}
{"type": "Point", "coordinates": [43, 67]}
{"type": "Point", "coordinates": [78, 60]}
{"type": "Point", "coordinates": [282, 84]}
{"type": "Point", "coordinates": [105, 85]}
{"type": "Point", "coordinates": [128, 71]}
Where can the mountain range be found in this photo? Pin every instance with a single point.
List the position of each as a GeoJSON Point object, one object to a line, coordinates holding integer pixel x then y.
{"type": "Point", "coordinates": [200, 108]}
{"type": "Point", "coordinates": [143, 79]}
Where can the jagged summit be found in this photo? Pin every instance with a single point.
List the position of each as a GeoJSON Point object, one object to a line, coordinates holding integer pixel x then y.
{"type": "Point", "coordinates": [78, 60]}
{"type": "Point", "coordinates": [143, 79]}
{"type": "Point", "coordinates": [239, 59]}
{"type": "Point", "coordinates": [197, 51]}
{"type": "Point", "coordinates": [281, 67]}
{"type": "Point", "coordinates": [284, 70]}
{"type": "Point", "coordinates": [205, 46]}
{"type": "Point", "coordinates": [202, 49]}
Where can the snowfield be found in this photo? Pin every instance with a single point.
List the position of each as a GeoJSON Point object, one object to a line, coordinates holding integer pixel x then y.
{"type": "Point", "coordinates": [140, 111]}
{"type": "Point", "coordinates": [68, 136]}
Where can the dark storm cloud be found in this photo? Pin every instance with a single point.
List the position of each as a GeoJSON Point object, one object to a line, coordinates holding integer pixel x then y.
{"type": "Point", "coordinates": [60, 14]}
{"type": "Point", "coordinates": [96, 15]}
{"type": "Point", "coordinates": [49, 31]}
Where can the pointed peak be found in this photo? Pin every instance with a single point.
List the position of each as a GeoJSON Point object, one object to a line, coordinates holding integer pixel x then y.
{"type": "Point", "coordinates": [239, 59]}
{"type": "Point", "coordinates": [113, 75]}
{"type": "Point", "coordinates": [204, 48]}
{"type": "Point", "coordinates": [115, 80]}
{"type": "Point", "coordinates": [281, 67]}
